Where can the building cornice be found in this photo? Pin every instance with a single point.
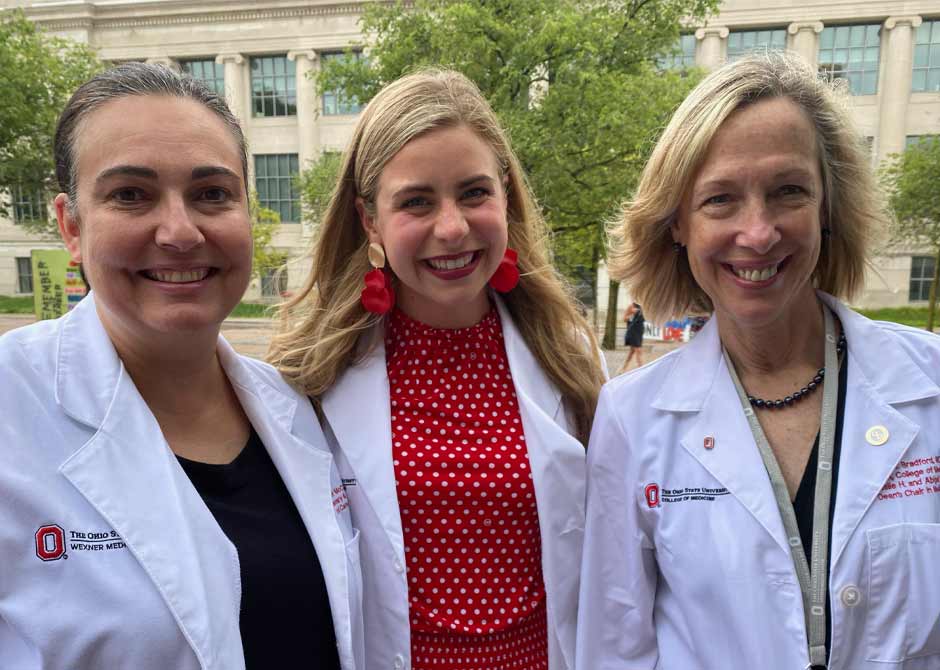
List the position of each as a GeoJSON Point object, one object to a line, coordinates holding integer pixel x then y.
{"type": "Point", "coordinates": [88, 15]}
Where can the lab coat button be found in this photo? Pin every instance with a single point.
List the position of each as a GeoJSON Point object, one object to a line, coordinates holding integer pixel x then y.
{"type": "Point", "coordinates": [398, 566]}
{"type": "Point", "coordinates": [877, 435]}
{"type": "Point", "coordinates": [399, 662]}
{"type": "Point", "coordinates": [850, 596]}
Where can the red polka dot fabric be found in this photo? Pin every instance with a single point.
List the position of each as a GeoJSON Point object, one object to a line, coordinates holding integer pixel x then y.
{"type": "Point", "coordinates": [467, 501]}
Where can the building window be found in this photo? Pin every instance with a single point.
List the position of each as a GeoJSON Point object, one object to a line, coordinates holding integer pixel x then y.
{"type": "Point", "coordinates": [274, 282]}
{"type": "Point", "coordinates": [24, 275]}
{"type": "Point", "coordinates": [922, 269]}
{"type": "Point", "coordinates": [28, 204]}
{"type": "Point", "coordinates": [274, 181]}
{"type": "Point", "coordinates": [273, 86]}
{"type": "Point", "coordinates": [851, 53]}
{"type": "Point", "coordinates": [333, 103]}
{"type": "Point", "coordinates": [682, 55]}
{"type": "Point", "coordinates": [927, 57]}
{"type": "Point", "coordinates": [744, 42]}
{"type": "Point", "coordinates": [207, 71]}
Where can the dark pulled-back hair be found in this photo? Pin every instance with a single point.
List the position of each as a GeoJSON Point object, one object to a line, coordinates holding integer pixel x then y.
{"type": "Point", "coordinates": [130, 79]}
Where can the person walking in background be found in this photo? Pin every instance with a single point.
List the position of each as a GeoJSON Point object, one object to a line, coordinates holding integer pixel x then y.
{"type": "Point", "coordinates": [633, 337]}
{"type": "Point", "coordinates": [762, 496]}
{"type": "Point", "coordinates": [456, 380]}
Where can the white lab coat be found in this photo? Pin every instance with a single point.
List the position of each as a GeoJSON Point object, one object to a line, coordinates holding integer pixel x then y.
{"type": "Point", "coordinates": [148, 580]}
{"type": "Point", "coordinates": [705, 580]}
{"type": "Point", "coordinates": [358, 423]}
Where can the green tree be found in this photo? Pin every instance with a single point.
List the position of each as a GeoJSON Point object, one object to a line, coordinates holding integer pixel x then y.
{"type": "Point", "coordinates": [575, 82]}
{"type": "Point", "coordinates": [264, 223]}
{"type": "Point", "coordinates": [911, 179]}
{"type": "Point", "coordinates": [316, 185]}
{"type": "Point", "coordinates": [38, 73]}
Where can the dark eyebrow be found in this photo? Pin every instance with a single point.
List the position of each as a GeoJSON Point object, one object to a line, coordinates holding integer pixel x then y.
{"type": "Point", "coordinates": [146, 173]}
{"type": "Point", "coordinates": [473, 180]}
{"type": "Point", "coordinates": [128, 170]}
{"type": "Point", "coordinates": [212, 171]}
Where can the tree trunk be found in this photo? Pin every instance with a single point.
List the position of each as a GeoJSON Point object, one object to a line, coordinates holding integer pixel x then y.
{"type": "Point", "coordinates": [610, 326]}
{"type": "Point", "coordinates": [932, 310]}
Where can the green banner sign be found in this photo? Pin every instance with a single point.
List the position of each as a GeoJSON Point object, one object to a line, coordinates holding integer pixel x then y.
{"type": "Point", "coordinates": [57, 283]}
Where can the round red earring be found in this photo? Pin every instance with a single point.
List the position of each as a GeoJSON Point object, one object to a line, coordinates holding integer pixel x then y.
{"type": "Point", "coordinates": [377, 296]}
{"type": "Point", "coordinates": [507, 274]}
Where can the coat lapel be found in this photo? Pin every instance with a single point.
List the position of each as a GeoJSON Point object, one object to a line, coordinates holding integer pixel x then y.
{"type": "Point", "coordinates": [705, 387]}
{"type": "Point", "coordinates": [127, 472]}
{"type": "Point", "coordinates": [557, 460]}
{"type": "Point", "coordinates": [305, 465]}
{"type": "Point", "coordinates": [880, 374]}
{"type": "Point", "coordinates": [358, 411]}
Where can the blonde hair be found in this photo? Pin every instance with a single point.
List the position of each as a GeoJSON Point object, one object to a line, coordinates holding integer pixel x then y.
{"type": "Point", "coordinates": [321, 327]}
{"type": "Point", "coordinates": [641, 246]}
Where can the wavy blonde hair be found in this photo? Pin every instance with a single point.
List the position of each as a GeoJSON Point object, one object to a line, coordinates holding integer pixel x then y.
{"type": "Point", "coordinates": [324, 329]}
{"type": "Point", "coordinates": [641, 246]}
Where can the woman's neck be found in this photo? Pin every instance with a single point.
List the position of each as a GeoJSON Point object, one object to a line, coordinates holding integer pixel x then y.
{"type": "Point", "coordinates": [795, 340]}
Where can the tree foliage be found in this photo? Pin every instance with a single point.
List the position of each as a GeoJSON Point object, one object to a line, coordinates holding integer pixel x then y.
{"type": "Point", "coordinates": [316, 185]}
{"type": "Point", "coordinates": [264, 223]}
{"type": "Point", "coordinates": [574, 82]}
{"type": "Point", "coordinates": [911, 179]}
{"type": "Point", "coordinates": [38, 73]}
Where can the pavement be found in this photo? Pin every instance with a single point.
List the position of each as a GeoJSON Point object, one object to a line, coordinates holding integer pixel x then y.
{"type": "Point", "coordinates": [250, 337]}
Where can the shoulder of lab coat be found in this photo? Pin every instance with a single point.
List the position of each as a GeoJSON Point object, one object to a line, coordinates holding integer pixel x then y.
{"type": "Point", "coordinates": [889, 364]}
{"type": "Point", "coordinates": [69, 366]}
{"type": "Point", "coordinates": [359, 419]}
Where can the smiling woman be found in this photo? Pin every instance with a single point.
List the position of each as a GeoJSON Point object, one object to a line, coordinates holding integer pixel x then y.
{"type": "Point", "coordinates": [146, 463]}
{"type": "Point", "coordinates": [759, 204]}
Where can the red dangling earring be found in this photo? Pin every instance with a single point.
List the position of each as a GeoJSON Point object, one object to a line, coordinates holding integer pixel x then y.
{"type": "Point", "coordinates": [378, 296]}
{"type": "Point", "coordinates": [507, 274]}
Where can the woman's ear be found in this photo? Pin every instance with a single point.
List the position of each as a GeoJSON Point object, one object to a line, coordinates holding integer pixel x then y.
{"type": "Point", "coordinates": [367, 221]}
{"type": "Point", "coordinates": [71, 232]}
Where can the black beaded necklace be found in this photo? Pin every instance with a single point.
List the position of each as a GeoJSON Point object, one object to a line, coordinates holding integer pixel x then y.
{"type": "Point", "coordinates": [789, 400]}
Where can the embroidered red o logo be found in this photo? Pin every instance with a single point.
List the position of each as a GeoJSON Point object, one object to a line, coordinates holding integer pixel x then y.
{"type": "Point", "coordinates": [50, 542]}
{"type": "Point", "coordinates": [652, 495]}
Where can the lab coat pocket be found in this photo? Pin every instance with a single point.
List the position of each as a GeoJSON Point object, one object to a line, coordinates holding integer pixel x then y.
{"type": "Point", "coordinates": [904, 592]}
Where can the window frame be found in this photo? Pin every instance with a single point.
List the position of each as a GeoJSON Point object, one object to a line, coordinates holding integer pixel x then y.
{"type": "Point", "coordinates": [929, 49]}
{"type": "Point", "coordinates": [923, 281]}
{"type": "Point", "coordinates": [21, 276]}
{"type": "Point", "coordinates": [331, 104]}
{"type": "Point", "coordinates": [31, 198]}
{"type": "Point", "coordinates": [867, 68]}
{"type": "Point", "coordinates": [280, 102]}
{"type": "Point", "coordinates": [772, 33]}
{"type": "Point", "coordinates": [216, 82]}
{"type": "Point", "coordinates": [262, 163]}
{"type": "Point", "coordinates": [680, 58]}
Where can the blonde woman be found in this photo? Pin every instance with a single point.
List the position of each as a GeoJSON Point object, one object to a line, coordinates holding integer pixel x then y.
{"type": "Point", "coordinates": [755, 499]}
{"type": "Point", "coordinates": [457, 381]}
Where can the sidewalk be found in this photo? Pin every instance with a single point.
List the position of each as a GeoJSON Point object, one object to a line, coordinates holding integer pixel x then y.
{"type": "Point", "coordinates": [251, 336]}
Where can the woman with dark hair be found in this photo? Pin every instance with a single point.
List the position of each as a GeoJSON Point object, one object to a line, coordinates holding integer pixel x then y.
{"type": "Point", "coordinates": [167, 503]}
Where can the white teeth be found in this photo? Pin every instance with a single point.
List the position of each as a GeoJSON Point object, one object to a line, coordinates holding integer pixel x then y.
{"type": "Point", "coordinates": [757, 274]}
{"type": "Point", "coordinates": [451, 263]}
{"type": "Point", "coordinates": [177, 277]}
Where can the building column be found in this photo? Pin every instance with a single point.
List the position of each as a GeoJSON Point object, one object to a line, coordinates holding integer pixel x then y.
{"type": "Point", "coordinates": [712, 50]}
{"type": "Point", "coordinates": [894, 88]}
{"type": "Point", "coordinates": [805, 42]}
{"type": "Point", "coordinates": [235, 84]}
{"type": "Point", "coordinates": [307, 111]}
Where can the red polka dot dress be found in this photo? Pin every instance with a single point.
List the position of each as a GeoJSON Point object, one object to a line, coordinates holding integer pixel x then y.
{"type": "Point", "coordinates": [467, 501]}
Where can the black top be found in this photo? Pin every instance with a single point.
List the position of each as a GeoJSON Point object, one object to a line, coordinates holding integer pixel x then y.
{"type": "Point", "coordinates": [806, 494]}
{"type": "Point", "coordinates": [285, 616]}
